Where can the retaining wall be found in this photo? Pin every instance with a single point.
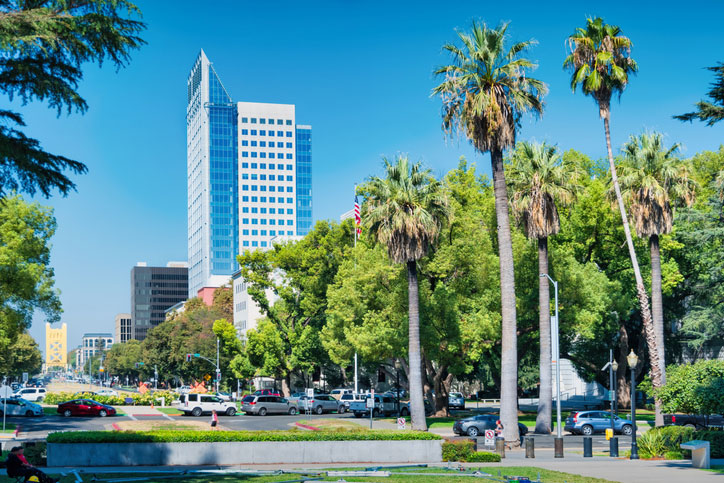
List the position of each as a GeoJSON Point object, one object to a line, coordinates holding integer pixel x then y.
{"type": "Point", "coordinates": [151, 454]}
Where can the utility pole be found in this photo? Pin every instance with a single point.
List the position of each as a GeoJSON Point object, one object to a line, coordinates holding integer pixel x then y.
{"type": "Point", "coordinates": [218, 370]}
{"type": "Point", "coordinates": [155, 378]}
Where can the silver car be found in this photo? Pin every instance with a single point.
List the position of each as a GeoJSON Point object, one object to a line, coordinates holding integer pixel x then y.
{"type": "Point", "coordinates": [263, 405]}
{"type": "Point", "coordinates": [321, 403]}
{"type": "Point", "coordinates": [20, 407]}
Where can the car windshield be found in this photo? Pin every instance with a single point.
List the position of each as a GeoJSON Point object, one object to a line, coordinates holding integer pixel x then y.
{"type": "Point", "coordinates": [248, 399]}
{"type": "Point", "coordinates": [455, 394]}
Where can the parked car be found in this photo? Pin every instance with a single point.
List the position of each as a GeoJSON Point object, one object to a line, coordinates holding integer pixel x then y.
{"type": "Point", "coordinates": [698, 421]}
{"type": "Point", "coordinates": [224, 396]}
{"type": "Point", "coordinates": [263, 405]}
{"type": "Point", "coordinates": [455, 400]}
{"type": "Point", "coordinates": [589, 422]}
{"type": "Point", "coordinates": [30, 393]}
{"type": "Point", "coordinates": [266, 392]}
{"type": "Point", "coordinates": [337, 393]}
{"type": "Point", "coordinates": [107, 392]}
{"type": "Point", "coordinates": [320, 403]}
{"type": "Point", "coordinates": [198, 404]}
{"type": "Point", "coordinates": [385, 404]}
{"type": "Point", "coordinates": [183, 389]}
{"type": "Point", "coordinates": [85, 407]}
{"type": "Point", "coordinates": [476, 425]}
{"type": "Point", "coordinates": [19, 407]}
{"type": "Point", "coordinates": [346, 399]}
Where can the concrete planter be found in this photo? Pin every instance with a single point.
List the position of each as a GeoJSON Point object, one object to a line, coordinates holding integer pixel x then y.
{"type": "Point", "coordinates": [301, 452]}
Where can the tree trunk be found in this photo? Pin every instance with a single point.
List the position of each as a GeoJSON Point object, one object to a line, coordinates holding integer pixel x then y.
{"type": "Point", "coordinates": [417, 405]}
{"type": "Point", "coordinates": [509, 339]}
{"type": "Point", "coordinates": [640, 290]}
{"type": "Point", "coordinates": [657, 305]}
{"type": "Point", "coordinates": [286, 385]}
{"type": "Point", "coordinates": [545, 391]}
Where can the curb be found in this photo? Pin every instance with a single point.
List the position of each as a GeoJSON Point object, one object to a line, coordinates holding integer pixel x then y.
{"type": "Point", "coordinates": [305, 426]}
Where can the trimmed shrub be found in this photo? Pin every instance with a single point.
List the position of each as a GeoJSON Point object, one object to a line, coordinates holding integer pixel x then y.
{"type": "Point", "coordinates": [138, 399]}
{"type": "Point", "coordinates": [716, 441]}
{"type": "Point", "coordinates": [483, 457]}
{"type": "Point", "coordinates": [656, 442]}
{"type": "Point", "coordinates": [170, 436]}
{"type": "Point", "coordinates": [462, 451]}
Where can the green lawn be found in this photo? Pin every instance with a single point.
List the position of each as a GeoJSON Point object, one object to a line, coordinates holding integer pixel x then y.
{"type": "Point", "coordinates": [400, 475]}
{"type": "Point", "coordinates": [717, 469]}
{"type": "Point", "coordinates": [9, 427]}
{"type": "Point", "coordinates": [171, 411]}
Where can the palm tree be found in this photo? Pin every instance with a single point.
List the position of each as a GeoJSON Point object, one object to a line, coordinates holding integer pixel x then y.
{"type": "Point", "coordinates": [652, 179]}
{"type": "Point", "coordinates": [485, 92]}
{"type": "Point", "coordinates": [538, 180]}
{"type": "Point", "coordinates": [710, 112]}
{"type": "Point", "coordinates": [600, 61]}
{"type": "Point", "coordinates": [405, 212]}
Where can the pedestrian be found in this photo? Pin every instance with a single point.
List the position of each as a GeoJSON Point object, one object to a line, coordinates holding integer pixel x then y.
{"type": "Point", "coordinates": [18, 466]}
{"type": "Point", "coordinates": [498, 428]}
{"type": "Point", "coordinates": [214, 419]}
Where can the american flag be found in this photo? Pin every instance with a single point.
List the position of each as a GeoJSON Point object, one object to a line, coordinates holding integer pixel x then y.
{"type": "Point", "coordinates": [357, 217]}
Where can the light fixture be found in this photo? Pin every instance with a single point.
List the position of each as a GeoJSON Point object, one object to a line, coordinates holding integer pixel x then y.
{"type": "Point", "coordinates": [632, 359]}
{"type": "Point", "coordinates": [614, 366]}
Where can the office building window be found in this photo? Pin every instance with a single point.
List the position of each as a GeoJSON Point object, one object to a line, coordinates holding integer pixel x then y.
{"type": "Point", "coordinates": [253, 165]}
{"type": "Point", "coordinates": [272, 222]}
{"type": "Point", "coordinates": [271, 155]}
{"type": "Point", "coordinates": [254, 232]}
{"type": "Point", "coordinates": [271, 133]}
{"type": "Point", "coordinates": [253, 143]}
{"type": "Point", "coordinates": [253, 120]}
{"type": "Point", "coordinates": [246, 243]}
{"type": "Point", "coordinates": [245, 209]}
{"type": "Point", "coordinates": [289, 167]}
{"type": "Point", "coordinates": [289, 189]}
{"type": "Point", "coordinates": [262, 133]}
{"type": "Point", "coordinates": [262, 166]}
{"type": "Point", "coordinates": [245, 143]}
{"type": "Point", "coordinates": [280, 122]}
{"type": "Point", "coordinates": [245, 221]}
{"type": "Point", "coordinates": [253, 132]}
{"type": "Point", "coordinates": [289, 122]}
{"type": "Point", "coordinates": [262, 121]}
{"type": "Point", "coordinates": [272, 210]}
{"type": "Point", "coordinates": [244, 119]}
{"type": "Point", "coordinates": [289, 145]}
{"type": "Point", "coordinates": [245, 154]}
{"type": "Point", "coordinates": [253, 154]}
{"type": "Point", "coordinates": [244, 132]}
{"type": "Point", "coordinates": [245, 198]}
{"type": "Point", "coordinates": [245, 232]}
{"type": "Point", "coordinates": [289, 134]}
{"type": "Point", "coordinates": [290, 211]}
{"type": "Point", "coordinates": [290, 201]}
{"type": "Point", "coordinates": [253, 199]}
{"type": "Point", "coordinates": [245, 165]}
{"type": "Point", "coordinates": [263, 199]}
{"type": "Point", "coordinates": [280, 134]}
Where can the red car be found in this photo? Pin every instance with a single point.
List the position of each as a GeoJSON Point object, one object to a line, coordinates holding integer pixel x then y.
{"type": "Point", "coordinates": [85, 407]}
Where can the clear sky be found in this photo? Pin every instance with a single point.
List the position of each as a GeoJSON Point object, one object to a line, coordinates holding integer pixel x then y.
{"type": "Point", "coordinates": [361, 74]}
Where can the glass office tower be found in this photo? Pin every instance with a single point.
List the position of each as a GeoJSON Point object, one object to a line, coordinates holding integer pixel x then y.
{"type": "Point", "coordinates": [304, 179]}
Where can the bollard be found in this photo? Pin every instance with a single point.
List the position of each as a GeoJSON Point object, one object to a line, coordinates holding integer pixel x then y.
{"type": "Point", "coordinates": [587, 447]}
{"type": "Point", "coordinates": [613, 447]}
{"type": "Point", "coordinates": [475, 443]}
{"type": "Point", "coordinates": [500, 447]}
{"type": "Point", "coordinates": [558, 447]}
{"type": "Point", "coordinates": [529, 447]}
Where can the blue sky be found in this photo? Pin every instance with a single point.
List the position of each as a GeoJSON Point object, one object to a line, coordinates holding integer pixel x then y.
{"type": "Point", "coordinates": [361, 74]}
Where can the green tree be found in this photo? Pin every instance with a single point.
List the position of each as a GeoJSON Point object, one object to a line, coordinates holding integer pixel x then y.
{"type": "Point", "coordinates": [22, 356]}
{"type": "Point", "coordinates": [652, 180]}
{"type": "Point", "coordinates": [404, 212]}
{"type": "Point", "coordinates": [45, 43]}
{"type": "Point", "coordinates": [600, 62]}
{"type": "Point", "coordinates": [696, 388]}
{"type": "Point", "coordinates": [710, 112]}
{"type": "Point", "coordinates": [538, 181]}
{"type": "Point", "coordinates": [121, 359]}
{"type": "Point", "coordinates": [485, 92]}
{"type": "Point", "coordinates": [26, 278]}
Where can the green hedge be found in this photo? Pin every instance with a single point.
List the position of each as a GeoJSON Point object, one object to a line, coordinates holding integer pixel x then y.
{"type": "Point", "coordinates": [657, 442]}
{"type": "Point", "coordinates": [138, 399]}
{"type": "Point", "coordinates": [462, 451]}
{"type": "Point", "coordinates": [170, 436]}
{"type": "Point", "coordinates": [716, 441]}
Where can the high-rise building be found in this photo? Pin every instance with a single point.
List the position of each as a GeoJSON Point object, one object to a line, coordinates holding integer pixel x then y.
{"type": "Point", "coordinates": [153, 291]}
{"type": "Point", "coordinates": [249, 168]}
{"type": "Point", "coordinates": [93, 343]}
{"type": "Point", "coordinates": [124, 328]}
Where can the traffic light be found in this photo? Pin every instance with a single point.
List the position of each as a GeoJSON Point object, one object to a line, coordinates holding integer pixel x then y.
{"type": "Point", "coordinates": [188, 357]}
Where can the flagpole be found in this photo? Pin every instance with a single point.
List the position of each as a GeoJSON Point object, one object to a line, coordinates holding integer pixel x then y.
{"type": "Point", "coordinates": [356, 391]}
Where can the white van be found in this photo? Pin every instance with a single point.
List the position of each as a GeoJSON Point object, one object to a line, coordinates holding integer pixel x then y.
{"type": "Point", "coordinates": [337, 393]}
{"type": "Point", "coordinates": [31, 393]}
{"type": "Point", "coordinates": [198, 404]}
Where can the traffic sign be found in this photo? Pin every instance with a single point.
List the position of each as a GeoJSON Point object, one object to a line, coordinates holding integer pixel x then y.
{"type": "Point", "coordinates": [401, 423]}
{"type": "Point", "coordinates": [310, 392]}
{"type": "Point", "coordinates": [6, 391]}
{"type": "Point", "coordinates": [489, 437]}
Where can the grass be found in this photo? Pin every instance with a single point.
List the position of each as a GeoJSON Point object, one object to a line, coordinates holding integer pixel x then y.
{"type": "Point", "coordinates": [399, 475]}
{"type": "Point", "coordinates": [717, 469]}
{"type": "Point", "coordinates": [170, 411]}
{"type": "Point", "coordinates": [9, 427]}
{"type": "Point", "coordinates": [333, 424]}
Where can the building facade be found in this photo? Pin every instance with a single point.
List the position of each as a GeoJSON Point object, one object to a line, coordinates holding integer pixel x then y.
{"type": "Point", "coordinates": [124, 328]}
{"type": "Point", "coordinates": [249, 168]}
{"type": "Point", "coordinates": [91, 344]}
{"type": "Point", "coordinates": [153, 291]}
{"type": "Point", "coordinates": [56, 346]}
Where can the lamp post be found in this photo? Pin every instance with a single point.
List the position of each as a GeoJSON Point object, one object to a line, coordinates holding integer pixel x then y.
{"type": "Point", "coordinates": [633, 361]}
{"type": "Point", "coordinates": [397, 385]}
{"type": "Point", "coordinates": [558, 440]}
{"type": "Point", "coordinates": [612, 367]}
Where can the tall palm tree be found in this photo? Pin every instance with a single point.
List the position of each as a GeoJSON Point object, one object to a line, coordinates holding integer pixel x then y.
{"type": "Point", "coordinates": [600, 61]}
{"type": "Point", "coordinates": [405, 212]}
{"type": "Point", "coordinates": [538, 180]}
{"type": "Point", "coordinates": [652, 179]}
{"type": "Point", "coordinates": [485, 91]}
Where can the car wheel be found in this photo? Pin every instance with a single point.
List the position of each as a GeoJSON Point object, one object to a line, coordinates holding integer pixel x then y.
{"type": "Point", "coordinates": [587, 430]}
{"type": "Point", "coordinates": [292, 411]}
{"type": "Point", "coordinates": [473, 432]}
{"type": "Point", "coordinates": [67, 413]}
{"type": "Point", "coordinates": [102, 413]}
{"type": "Point", "coordinates": [404, 412]}
{"type": "Point", "coordinates": [692, 426]}
{"type": "Point", "coordinates": [319, 410]}
{"type": "Point", "coordinates": [230, 411]}
{"type": "Point", "coordinates": [341, 409]}
{"type": "Point", "coordinates": [29, 414]}
{"type": "Point", "coordinates": [375, 413]}
{"type": "Point", "coordinates": [262, 411]}
{"type": "Point", "coordinates": [196, 412]}
{"type": "Point", "coordinates": [627, 430]}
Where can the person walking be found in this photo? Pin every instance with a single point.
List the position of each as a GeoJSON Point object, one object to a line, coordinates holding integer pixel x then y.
{"type": "Point", "coordinates": [214, 419]}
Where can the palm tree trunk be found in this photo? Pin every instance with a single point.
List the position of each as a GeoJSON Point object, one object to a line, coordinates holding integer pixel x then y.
{"type": "Point", "coordinates": [509, 342]}
{"type": "Point", "coordinates": [657, 306]}
{"type": "Point", "coordinates": [417, 404]}
{"type": "Point", "coordinates": [640, 290]}
{"type": "Point", "coordinates": [545, 391]}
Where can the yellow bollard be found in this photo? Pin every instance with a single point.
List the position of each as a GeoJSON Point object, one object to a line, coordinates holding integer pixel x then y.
{"type": "Point", "coordinates": [609, 433]}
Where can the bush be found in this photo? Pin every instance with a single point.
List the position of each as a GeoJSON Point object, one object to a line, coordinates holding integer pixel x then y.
{"type": "Point", "coordinates": [656, 442]}
{"type": "Point", "coordinates": [483, 457]}
{"type": "Point", "coordinates": [716, 441]}
{"type": "Point", "coordinates": [36, 453]}
{"type": "Point", "coordinates": [462, 451]}
{"type": "Point", "coordinates": [652, 444]}
{"type": "Point", "coordinates": [674, 455]}
{"type": "Point", "coordinates": [170, 436]}
{"type": "Point", "coordinates": [138, 399]}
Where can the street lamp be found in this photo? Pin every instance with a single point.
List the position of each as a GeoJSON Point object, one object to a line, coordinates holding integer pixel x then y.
{"type": "Point", "coordinates": [612, 366]}
{"type": "Point", "coordinates": [633, 361]}
{"type": "Point", "coordinates": [397, 384]}
{"type": "Point", "coordinates": [558, 440]}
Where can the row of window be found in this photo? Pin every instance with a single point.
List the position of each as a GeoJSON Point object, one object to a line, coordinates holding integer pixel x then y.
{"type": "Point", "coordinates": [262, 120]}
{"type": "Point", "coordinates": [262, 177]}
{"type": "Point", "coordinates": [245, 187]}
{"type": "Point", "coordinates": [262, 132]}
{"type": "Point", "coordinates": [265, 244]}
{"type": "Point", "coordinates": [264, 232]}
{"type": "Point", "coordinates": [262, 221]}
{"type": "Point", "coordinates": [263, 199]}
{"type": "Point", "coordinates": [272, 211]}
{"type": "Point", "coordinates": [263, 144]}
{"type": "Point", "coordinates": [264, 166]}
{"type": "Point", "coordinates": [254, 154]}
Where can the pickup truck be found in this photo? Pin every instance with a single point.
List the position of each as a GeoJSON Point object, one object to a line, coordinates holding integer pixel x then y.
{"type": "Point", "coordinates": [385, 404]}
{"type": "Point", "coordinates": [698, 421]}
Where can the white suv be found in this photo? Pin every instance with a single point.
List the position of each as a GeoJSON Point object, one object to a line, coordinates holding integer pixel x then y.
{"type": "Point", "coordinates": [31, 393]}
{"type": "Point", "coordinates": [197, 404]}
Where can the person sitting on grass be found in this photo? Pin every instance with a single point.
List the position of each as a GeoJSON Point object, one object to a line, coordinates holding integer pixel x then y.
{"type": "Point", "coordinates": [18, 466]}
